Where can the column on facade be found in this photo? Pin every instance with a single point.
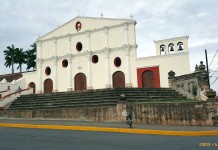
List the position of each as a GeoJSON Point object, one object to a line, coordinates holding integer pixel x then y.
{"type": "Point", "coordinates": [89, 40]}
{"type": "Point", "coordinates": [39, 68]}
{"type": "Point", "coordinates": [70, 88]}
{"type": "Point", "coordinates": [106, 37]}
{"type": "Point", "coordinates": [107, 60]}
{"type": "Point", "coordinates": [128, 71]}
{"type": "Point", "coordinates": [126, 34]}
{"type": "Point", "coordinates": [107, 71]}
{"type": "Point", "coordinates": [55, 89]}
{"type": "Point", "coordinates": [89, 78]}
{"type": "Point", "coordinates": [39, 50]}
{"type": "Point", "coordinates": [127, 57]}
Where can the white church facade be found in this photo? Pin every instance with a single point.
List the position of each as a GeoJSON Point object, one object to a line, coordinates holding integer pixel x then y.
{"type": "Point", "coordinates": [94, 53]}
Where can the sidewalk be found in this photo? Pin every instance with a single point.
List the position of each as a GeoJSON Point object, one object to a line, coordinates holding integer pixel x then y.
{"type": "Point", "coordinates": [106, 126]}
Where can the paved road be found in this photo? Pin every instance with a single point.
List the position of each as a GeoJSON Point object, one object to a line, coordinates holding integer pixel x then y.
{"type": "Point", "coordinates": [43, 139]}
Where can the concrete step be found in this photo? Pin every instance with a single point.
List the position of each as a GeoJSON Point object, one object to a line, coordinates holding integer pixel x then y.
{"type": "Point", "coordinates": [99, 97]}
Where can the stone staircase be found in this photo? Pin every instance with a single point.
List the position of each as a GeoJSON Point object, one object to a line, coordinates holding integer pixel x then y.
{"type": "Point", "coordinates": [94, 98]}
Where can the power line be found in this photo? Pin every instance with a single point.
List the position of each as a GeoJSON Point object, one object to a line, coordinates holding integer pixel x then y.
{"type": "Point", "coordinates": [214, 80]}
{"type": "Point", "coordinates": [214, 71]}
{"type": "Point", "coordinates": [213, 58]}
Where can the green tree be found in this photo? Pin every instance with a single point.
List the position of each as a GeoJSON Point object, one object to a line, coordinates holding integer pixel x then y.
{"type": "Point", "coordinates": [33, 47]}
{"type": "Point", "coordinates": [30, 59]}
{"type": "Point", "coordinates": [10, 55]}
{"type": "Point", "coordinates": [20, 58]}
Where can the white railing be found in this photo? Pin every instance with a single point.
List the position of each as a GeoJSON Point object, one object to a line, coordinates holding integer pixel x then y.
{"type": "Point", "coordinates": [6, 100]}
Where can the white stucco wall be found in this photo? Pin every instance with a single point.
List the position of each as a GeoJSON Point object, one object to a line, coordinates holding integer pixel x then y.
{"type": "Point", "coordinates": [106, 38]}
{"type": "Point", "coordinates": [178, 62]}
{"type": "Point", "coordinates": [88, 23]}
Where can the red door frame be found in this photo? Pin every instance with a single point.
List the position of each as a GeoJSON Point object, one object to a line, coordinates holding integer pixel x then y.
{"type": "Point", "coordinates": [156, 72]}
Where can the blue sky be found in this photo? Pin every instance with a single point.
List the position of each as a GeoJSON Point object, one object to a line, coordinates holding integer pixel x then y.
{"type": "Point", "coordinates": [23, 21]}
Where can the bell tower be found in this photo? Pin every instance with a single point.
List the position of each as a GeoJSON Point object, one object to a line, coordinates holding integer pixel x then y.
{"type": "Point", "coordinates": [172, 46]}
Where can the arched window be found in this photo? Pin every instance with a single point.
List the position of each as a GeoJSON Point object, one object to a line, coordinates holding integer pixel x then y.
{"type": "Point", "coordinates": [162, 49]}
{"type": "Point", "coordinates": [117, 62]}
{"type": "Point", "coordinates": [180, 46]}
{"type": "Point", "coordinates": [94, 59]}
{"type": "Point", "coordinates": [79, 46]}
{"type": "Point", "coordinates": [171, 48]}
{"type": "Point", "coordinates": [64, 63]}
{"type": "Point", "coordinates": [47, 71]}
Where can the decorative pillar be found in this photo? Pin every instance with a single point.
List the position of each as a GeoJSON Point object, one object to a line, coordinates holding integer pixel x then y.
{"type": "Point", "coordinates": [70, 88]}
{"type": "Point", "coordinates": [39, 50]}
{"type": "Point", "coordinates": [108, 78]}
{"type": "Point", "coordinates": [89, 40]}
{"type": "Point", "coordinates": [55, 85]}
{"type": "Point", "coordinates": [89, 78]}
{"type": "Point", "coordinates": [106, 37]}
{"type": "Point", "coordinates": [39, 68]}
{"type": "Point", "coordinates": [128, 71]}
{"type": "Point", "coordinates": [55, 59]}
{"type": "Point", "coordinates": [126, 34]}
{"type": "Point", "coordinates": [69, 43]}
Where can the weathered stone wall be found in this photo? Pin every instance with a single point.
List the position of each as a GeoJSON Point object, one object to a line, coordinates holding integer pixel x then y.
{"type": "Point", "coordinates": [193, 86]}
{"type": "Point", "coordinates": [191, 113]}
{"type": "Point", "coordinates": [174, 113]}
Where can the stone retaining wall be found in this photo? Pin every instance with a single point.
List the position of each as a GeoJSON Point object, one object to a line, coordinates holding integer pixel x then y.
{"type": "Point", "coordinates": [190, 113]}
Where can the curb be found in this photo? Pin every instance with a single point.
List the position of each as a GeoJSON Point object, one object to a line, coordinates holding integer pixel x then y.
{"type": "Point", "coordinates": [119, 130]}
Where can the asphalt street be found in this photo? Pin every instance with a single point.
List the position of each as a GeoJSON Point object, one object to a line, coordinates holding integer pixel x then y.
{"type": "Point", "coordinates": [44, 139]}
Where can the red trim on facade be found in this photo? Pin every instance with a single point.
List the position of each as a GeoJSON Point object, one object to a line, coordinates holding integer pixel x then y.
{"type": "Point", "coordinates": [78, 26]}
{"type": "Point", "coordinates": [156, 75]}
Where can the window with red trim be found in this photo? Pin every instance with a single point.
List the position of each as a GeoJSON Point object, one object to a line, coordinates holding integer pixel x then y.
{"type": "Point", "coordinates": [117, 61]}
{"type": "Point", "coordinates": [47, 71]}
{"type": "Point", "coordinates": [79, 46]}
{"type": "Point", "coordinates": [64, 63]}
{"type": "Point", "coordinates": [94, 59]}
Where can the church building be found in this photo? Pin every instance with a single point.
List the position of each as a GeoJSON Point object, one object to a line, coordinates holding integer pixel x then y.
{"type": "Point", "coordinates": [95, 53]}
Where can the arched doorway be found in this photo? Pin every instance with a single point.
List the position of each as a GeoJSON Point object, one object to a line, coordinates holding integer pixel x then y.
{"type": "Point", "coordinates": [148, 80]}
{"type": "Point", "coordinates": [80, 82]}
{"type": "Point", "coordinates": [48, 86]}
{"type": "Point", "coordinates": [32, 85]}
{"type": "Point", "coordinates": [118, 80]}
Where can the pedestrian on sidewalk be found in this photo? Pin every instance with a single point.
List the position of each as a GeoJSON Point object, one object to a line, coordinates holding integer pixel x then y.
{"type": "Point", "coordinates": [129, 120]}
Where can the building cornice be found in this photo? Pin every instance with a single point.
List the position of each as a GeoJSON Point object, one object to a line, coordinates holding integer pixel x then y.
{"type": "Point", "coordinates": [84, 32]}
{"type": "Point", "coordinates": [171, 39]}
{"type": "Point", "coordinates": [87, 53]}
{"type": "Point", "coordinates": [162, 56]}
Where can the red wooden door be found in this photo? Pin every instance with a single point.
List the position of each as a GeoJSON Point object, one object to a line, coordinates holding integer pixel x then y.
{"type": "Point", "coordinates": [48, 86]}
{"type": "Point", "coordinates": [148, 79]}
{"type": "Point", "coordinates": [118, 80]}
{"type": "Point", "coordinates": [80, 82]}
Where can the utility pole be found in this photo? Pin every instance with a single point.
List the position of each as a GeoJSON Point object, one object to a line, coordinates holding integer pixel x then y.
{"type": "Point", "coordinates": [207, 69]}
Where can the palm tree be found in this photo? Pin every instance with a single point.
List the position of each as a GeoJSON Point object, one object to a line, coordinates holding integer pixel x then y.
{"type": "Point", "coordinates": [30, 59]}
{"type": "Point", "coordinates": [33, 56]}
{"type": "Point", "coordinates": [10, 57]}
{"type": "Point", "coordinates": [20, 58]}
{"type": "Point", "coordinates": [33, 47]}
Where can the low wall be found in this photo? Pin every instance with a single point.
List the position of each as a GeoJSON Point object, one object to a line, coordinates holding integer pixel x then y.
{"type": "Point", "coordinates": [192, 86]}
{"type": "Point", "coordinates": [190, 113]}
